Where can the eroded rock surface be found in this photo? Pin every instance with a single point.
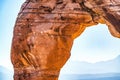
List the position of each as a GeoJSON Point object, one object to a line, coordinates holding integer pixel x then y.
{"type": "Point", "coordinates": [45, 30]}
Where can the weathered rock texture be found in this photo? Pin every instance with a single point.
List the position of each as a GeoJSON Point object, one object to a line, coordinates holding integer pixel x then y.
{"type": "Point", "coordinates": [45, 30]}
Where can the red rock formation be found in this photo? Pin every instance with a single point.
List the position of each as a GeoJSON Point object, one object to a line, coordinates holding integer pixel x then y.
{"type": "Point", "coordinates": [45, 30]}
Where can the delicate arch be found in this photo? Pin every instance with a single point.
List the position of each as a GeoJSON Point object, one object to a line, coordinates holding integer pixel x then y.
{"type": "Point", "coordinates": [45, 30]}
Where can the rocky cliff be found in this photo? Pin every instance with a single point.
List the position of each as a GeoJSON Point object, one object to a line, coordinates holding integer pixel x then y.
{"type": "Point", "coordinates": [45, 30]}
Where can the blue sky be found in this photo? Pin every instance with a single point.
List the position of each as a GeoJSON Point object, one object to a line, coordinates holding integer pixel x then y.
{"type": "Point", "coordinates": [95, 44]}
{"type": "Point", "coordinates": [8, 13]}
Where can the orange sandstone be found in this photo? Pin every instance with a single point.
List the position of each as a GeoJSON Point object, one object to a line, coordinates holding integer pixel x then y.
{"type": "Point", "coordinates": [45, 30]}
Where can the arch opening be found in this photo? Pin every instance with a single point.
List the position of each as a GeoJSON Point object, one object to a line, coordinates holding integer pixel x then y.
{"type": "Point", "coordinates": [94, 47]}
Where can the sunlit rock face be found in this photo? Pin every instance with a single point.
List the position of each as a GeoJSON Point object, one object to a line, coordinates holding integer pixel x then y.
{"type": "Point", "coordinates": [45, 30]}
{"type": "Point", "coordinates": [110, 11]}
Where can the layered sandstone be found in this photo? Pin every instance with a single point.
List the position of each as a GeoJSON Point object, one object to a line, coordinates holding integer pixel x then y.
{"type": "Point", "coordinates": [45, 30]}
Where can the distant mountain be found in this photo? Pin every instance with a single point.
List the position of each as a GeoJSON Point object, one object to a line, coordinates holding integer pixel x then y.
{"type": "Point", "coordinates": [108, 76]}
{"type": "Point", "coordinates": [5, 74]}
{"type": "Point", "coordinates": [76, 67]}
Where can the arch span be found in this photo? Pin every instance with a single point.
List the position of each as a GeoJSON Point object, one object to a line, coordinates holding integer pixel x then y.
{"type": "Point", "coordinates": [45, 30]}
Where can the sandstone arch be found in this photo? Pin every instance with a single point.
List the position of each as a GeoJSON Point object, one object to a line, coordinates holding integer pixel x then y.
{"type": "Point", "coordinates": [45, 30]}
